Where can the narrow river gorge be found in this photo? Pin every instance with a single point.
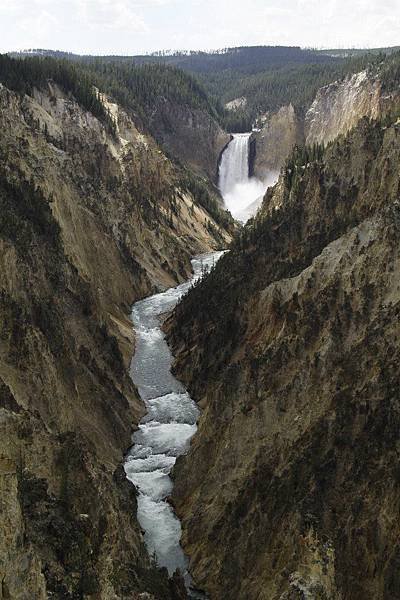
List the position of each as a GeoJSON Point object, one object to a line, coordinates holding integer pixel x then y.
{"type": "Point", "coordinates": [165, 431]}
{"type": "Point", "coordinates": [170, 422]}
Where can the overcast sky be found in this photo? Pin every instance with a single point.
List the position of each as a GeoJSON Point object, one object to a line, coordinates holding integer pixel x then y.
{"type": "Point", "coordinates": [135, 26]}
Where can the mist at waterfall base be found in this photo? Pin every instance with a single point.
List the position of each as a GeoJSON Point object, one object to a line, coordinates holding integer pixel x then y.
{"type": "Point", "coordinates": [245, 198]}
{"type": "Point", "coordinates": [242, 194]}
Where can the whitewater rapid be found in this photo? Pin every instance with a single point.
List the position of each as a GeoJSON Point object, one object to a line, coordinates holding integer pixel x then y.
{"type": "Point", "coordinates": [242, 194]}
{"type": "Point", "coordinates": [165, 431]}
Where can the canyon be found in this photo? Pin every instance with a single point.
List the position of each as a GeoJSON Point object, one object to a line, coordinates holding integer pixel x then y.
{"type": "Point", "coordinates": [283, 479]}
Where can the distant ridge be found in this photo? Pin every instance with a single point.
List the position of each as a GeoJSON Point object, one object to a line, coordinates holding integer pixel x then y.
{"type": "Point", "coordinates": [269, 77]}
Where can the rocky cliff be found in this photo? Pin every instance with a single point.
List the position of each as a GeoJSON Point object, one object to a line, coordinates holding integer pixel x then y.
{"type": "Point", "coordinates": [336, 109]}
{"type": "Point", "coordinates": [191, 135]}
{"type": "Point", "coordinates": [279, 133]}
{"type": "Point", "coordinates": [90, 221]}
{"type": "Point", "coordinates": [291, 488]}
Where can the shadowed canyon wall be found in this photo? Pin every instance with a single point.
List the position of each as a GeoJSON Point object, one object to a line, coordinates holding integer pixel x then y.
{"type": "Point", "coordinates": [291, 485]}
{"type": "Point", "coordinates": [191, 135]}
{"type": "Point", "coordinates": [90, 222]}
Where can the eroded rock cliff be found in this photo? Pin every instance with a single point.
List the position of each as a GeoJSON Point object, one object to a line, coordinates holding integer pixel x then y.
{"type": "Point", "coordinates": [279, 133]}
{"type": "Point", "coordinates": [291, 485]}
{"type": "Point", "coordinates": [89, 222]}
{"type": "Point", "coordinates": [336, 109]}
{"type": "Point", "coordinates": [190, 134]}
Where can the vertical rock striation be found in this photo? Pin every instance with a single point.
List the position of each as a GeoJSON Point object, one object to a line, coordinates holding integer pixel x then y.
{"type": "Point", "coordinates": [89, 223]}
{"type": "Point", "coordinates": [336, 109]}
{"type": "Point", "coordinates": [291, 486]}
{"type": "Point", "coordinates": [274, 142]}
{"type": "Point", "coordinates": [191, 135]}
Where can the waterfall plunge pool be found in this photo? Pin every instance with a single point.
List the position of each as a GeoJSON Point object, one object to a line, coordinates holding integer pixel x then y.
{"type": "Point", "coordinates": [242, 194]}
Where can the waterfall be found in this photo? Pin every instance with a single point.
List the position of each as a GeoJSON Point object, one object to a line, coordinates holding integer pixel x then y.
{"type": "Point", "coordinates": [242, 194]}
{"type": "Point", "coordinates": [234, 167]}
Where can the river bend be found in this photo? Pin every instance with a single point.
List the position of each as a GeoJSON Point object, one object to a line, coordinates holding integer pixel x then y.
{"type": "Point", "coordinates": [164, 432]}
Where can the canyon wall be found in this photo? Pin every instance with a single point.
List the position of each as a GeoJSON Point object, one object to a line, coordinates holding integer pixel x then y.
{"type": "Point", "coordinates": [90, 221]}
{"type": "Point", "coordinates": [279, 133]}
{"type": "Point", "coordinates": [336, 109]}
{"type": "Point", "coordinates": [191, 135]}
{"type": "Point", "coordinates": [291, 486]}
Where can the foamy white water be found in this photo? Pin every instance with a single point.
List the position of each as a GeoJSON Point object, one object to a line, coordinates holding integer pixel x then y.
{"type": "Point", "coordinates": [242, 194]}
{"type": "Point", "coordinates": [165, 431]}
{"type": "Point", "coordinates": [234, 168]}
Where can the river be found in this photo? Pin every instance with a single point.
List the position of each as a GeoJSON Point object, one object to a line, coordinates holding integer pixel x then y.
{"type": "Point", "coordinates": [164, 432]}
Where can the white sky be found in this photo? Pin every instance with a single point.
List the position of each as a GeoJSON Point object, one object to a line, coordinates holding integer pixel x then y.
{"type": "Point", "coordinates": [135, 26]}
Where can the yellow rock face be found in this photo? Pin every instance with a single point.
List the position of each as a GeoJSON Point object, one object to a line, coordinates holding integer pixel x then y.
{"type": "Point", "coordinates": [89, 224]}
{"type": "Point", "coordinates": [291, 486]}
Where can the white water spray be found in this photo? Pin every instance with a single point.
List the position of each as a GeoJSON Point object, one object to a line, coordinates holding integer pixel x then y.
{"type": "Point", "coordinates": [242, 194]}
{"type": "Point", "coordinates": [165, 432]}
